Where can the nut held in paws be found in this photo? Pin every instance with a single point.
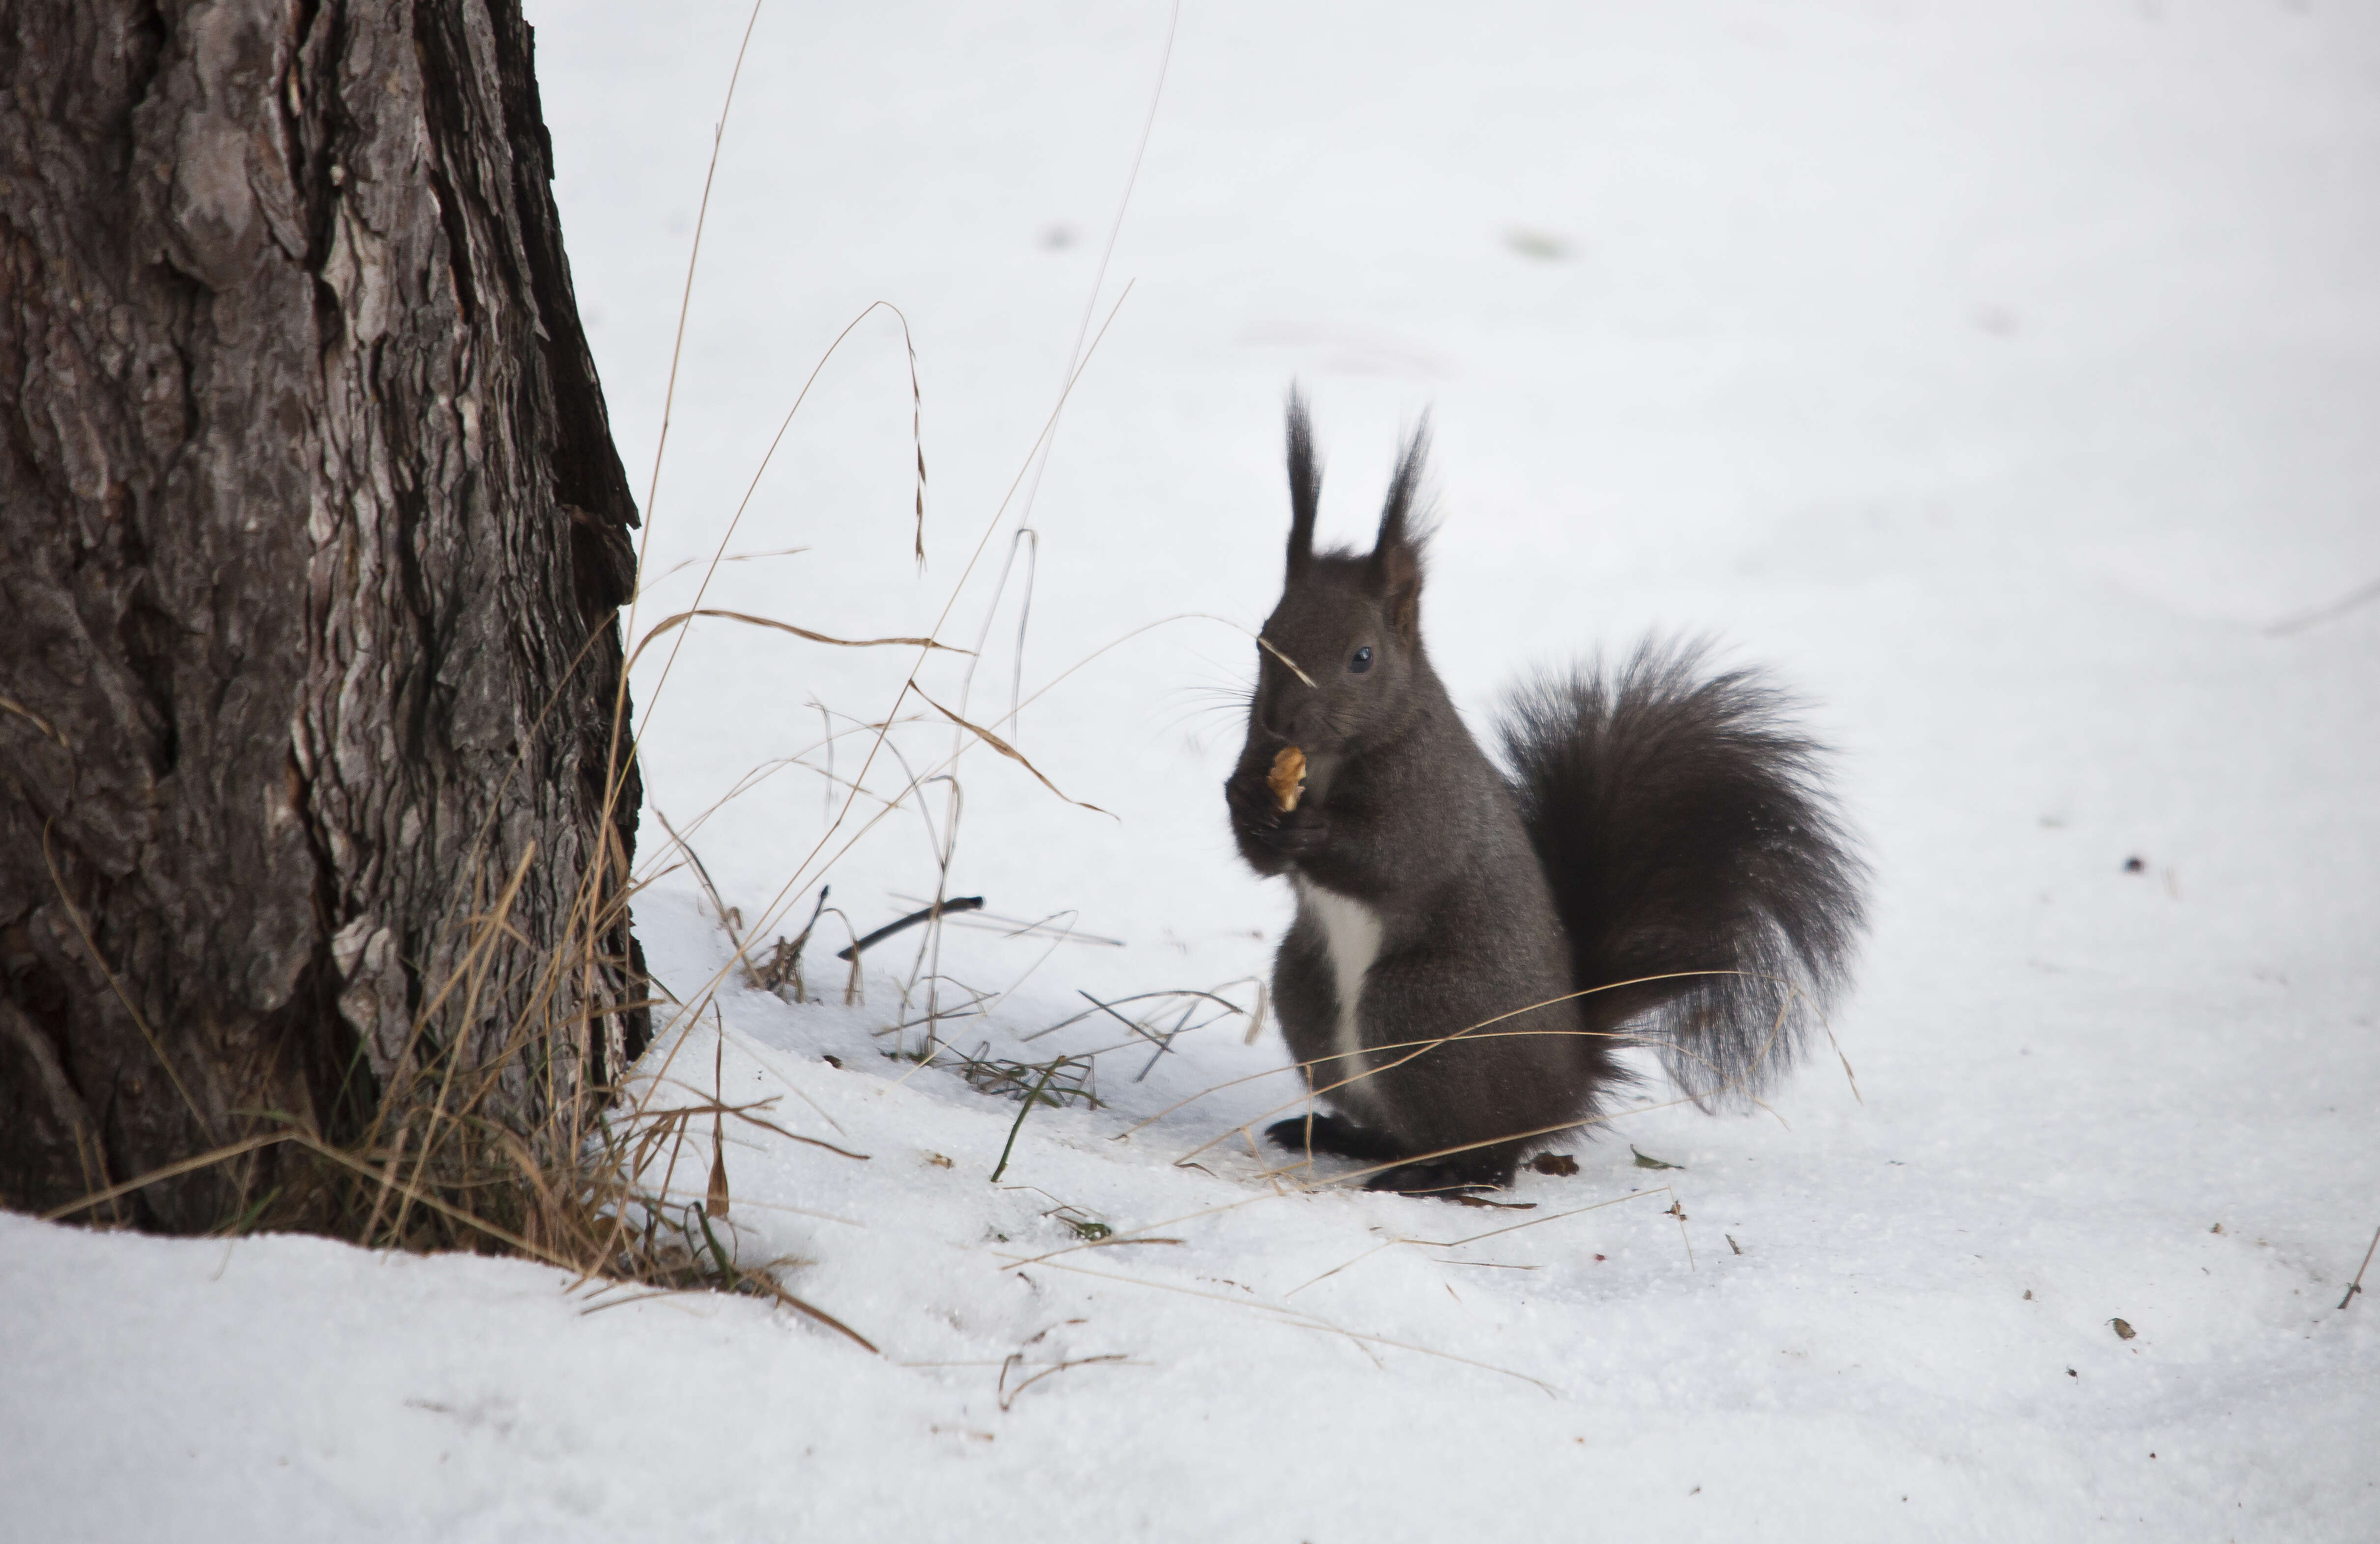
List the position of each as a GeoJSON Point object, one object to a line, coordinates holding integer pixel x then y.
{"type": "Point", "coordinates": [1288, 778]}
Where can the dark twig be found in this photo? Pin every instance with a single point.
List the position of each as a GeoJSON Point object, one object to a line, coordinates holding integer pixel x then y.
{"type": "Point", "coordinates": [1163, 1042]}
{"type": "Point", "coordinates": [2356, 1285]}
{"type": "Point", "coordinates": [1017, 926]}
{"type": "Point", "coordinates": [1137, 997]}
{"type": "Point", "coordinates": [1166, 1044]}
{"type": "Point", "coordinates": [964, 903]}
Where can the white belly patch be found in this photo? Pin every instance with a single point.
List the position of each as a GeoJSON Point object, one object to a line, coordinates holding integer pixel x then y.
{"type": "Point", "coordinates": [1350, 932]}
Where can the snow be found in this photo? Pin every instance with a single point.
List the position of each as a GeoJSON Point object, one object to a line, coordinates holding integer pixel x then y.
{"type": "Point", "coordinates": [2001, 374]}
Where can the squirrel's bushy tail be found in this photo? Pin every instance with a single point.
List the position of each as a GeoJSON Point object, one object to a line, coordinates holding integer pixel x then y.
{"type": "Point", "coordinates": [1684, 826]}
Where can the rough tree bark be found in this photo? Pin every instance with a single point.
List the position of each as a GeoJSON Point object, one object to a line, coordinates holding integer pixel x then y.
{"type": "Point", "coordinates": [312, 539]}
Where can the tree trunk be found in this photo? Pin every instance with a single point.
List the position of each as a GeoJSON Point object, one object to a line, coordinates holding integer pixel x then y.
{"type": "Point", "coordinates": [312, 539]}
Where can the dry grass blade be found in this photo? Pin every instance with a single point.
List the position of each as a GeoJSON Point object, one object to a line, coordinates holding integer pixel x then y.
{"type": "Point", "coordinates": [1539, 1222]}
{"type": "Point", "coordinates": [1008, 1395]}
{"type": "Point", "coordinates": [987, 737]}
{"type": "Point", "coordinates": [1342, 1266]}
{"type": "Point", "coordinates": [476, 967]}
{"type": "Point", "coordinates": [812, 1311]}
{"type": "Point", "coordinates": [82, 930]}
{"type": "Point", "coordinates": [684, 564]}
{"type": "Point", "coordinates": [171, 1171]}
{"type": "Point", "coordinates": [729, 920]}
{"type": "Point", "coordinates": [1013, 1262]}
{"type": "Point", "coordinates": [416, 1195]}
{"type": "Point", "coordinates": [1849, 1076]}
{"type": "Point", "coordinates": [750, 621]}
{"type": "Point", "coordinates": [1267, 645]}
{"type": "Point", "coordinates": [916, 431]}
{"type": "Point", "coordinates": [11, 705]}
{"type": "Point", "coordinates": [741, 1113]}
{"type": "Point", "coordinates": [1303, 1321]}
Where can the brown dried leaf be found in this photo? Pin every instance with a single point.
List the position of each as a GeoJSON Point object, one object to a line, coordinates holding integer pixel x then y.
{"type": "Point", "coordinates": [718, 1200]}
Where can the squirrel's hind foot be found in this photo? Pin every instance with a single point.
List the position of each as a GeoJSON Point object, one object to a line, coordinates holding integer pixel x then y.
{"type": "Point", "coordinates": [1455, 1174]}
{"type": "Point", "coordinates": [1447, 1178]}
{"type": "Point", "coordinates": [1335, 1134]}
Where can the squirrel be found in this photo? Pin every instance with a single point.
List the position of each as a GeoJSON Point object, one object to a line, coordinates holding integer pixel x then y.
{"type": "Point", "coordinates": [1664, 866]}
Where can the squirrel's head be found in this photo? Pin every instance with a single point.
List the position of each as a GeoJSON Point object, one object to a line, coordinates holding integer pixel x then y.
{"type": "Point", "coordinates": [1339, 655]}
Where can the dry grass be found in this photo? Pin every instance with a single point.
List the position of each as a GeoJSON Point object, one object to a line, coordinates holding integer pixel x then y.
{"type": "Point", "coordinates": [491, 1133]}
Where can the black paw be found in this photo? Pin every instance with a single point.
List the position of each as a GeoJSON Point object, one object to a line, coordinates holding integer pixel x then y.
{"type": "Point", "coordinates": [1301, 832]}
{"type": "Point", "coordinates": [1260, 822]}
{"type": "Point", "coordinates": [1331, 1134]}
{"type": "Point", "coordinates": [1446, 1178]}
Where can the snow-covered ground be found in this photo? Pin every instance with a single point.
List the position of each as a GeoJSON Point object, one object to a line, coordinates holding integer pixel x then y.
{"type": "Point", "coordinates": [2004, 374]}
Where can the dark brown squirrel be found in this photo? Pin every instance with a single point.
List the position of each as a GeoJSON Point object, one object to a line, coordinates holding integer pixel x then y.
{"type": "Point", "coordinates": [1663, 867]}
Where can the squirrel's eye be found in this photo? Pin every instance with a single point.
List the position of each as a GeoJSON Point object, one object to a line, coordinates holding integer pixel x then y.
{"type": "Point", "coordinates": [1363, 660]}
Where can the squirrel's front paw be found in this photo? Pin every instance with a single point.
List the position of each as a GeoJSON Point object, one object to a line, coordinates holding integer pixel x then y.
{"type": "Point", "coordinates": [1259, 815]}
{"type": "Point", "coordinates": [1250, 798]}
{"type": "Point", "coordinates": [1301, 832]}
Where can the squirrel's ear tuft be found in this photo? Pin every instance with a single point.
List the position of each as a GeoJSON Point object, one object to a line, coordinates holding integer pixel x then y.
{"type": "Point", "coordinates": [1304, 485]}
{"type": "Point", "coordinates": [1396, 551]}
